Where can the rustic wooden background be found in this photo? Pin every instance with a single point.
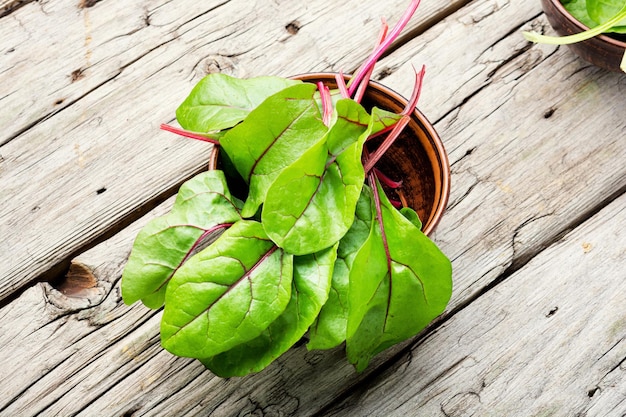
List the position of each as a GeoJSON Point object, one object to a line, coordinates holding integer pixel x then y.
{"type": "Point", "coordinates": [535, 225]}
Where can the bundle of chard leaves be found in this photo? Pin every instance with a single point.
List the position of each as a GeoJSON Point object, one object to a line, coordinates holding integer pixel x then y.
{"type": "Point", "coordinates": [601, 16]}
{"type": "Point", "coordinates": [313, 246]}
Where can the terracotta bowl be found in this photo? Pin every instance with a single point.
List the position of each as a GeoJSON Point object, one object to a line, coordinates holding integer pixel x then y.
{"type": "Point", "coordinates": [417, 157]}
{"type": "Point", "coordinates": [603, 51]}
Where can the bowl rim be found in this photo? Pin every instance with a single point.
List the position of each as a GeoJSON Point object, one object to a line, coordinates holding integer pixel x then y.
{"type": "Point", "coordinates": [582, 27]}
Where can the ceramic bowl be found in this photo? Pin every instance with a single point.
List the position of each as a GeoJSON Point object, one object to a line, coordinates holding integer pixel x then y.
{"type": "Point", "coordinates": [417, 157]}
{"type": "Point", "coordinates": [602, 51]}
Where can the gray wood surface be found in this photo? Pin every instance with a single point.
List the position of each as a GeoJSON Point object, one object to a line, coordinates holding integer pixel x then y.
{"type": "Point", "coordinates": [544, 342]}
{"type": "Point", "coordinates": [89, 87]}
{"type": "Point", "coordinates": [536, 325]}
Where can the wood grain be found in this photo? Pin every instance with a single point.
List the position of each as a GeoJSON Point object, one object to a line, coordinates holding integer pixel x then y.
{"type": "Point", "coordinates": [550, 340]}
{"type": "Point", "coordinates": [527, 168]}
{"type": "Point", "coordinates": [89, 87]}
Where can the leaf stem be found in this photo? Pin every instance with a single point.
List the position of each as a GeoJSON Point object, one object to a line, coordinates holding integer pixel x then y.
{"type": "Point", "coordinates": [582, 36]}
{"type": "Point", "coordinates": [417, 90]}
{"type": "Point", "coordinates": [327, 105]}
{"type": "Point", "coordinates": [360, 92]}
{"type": "Point", "coordinates": [401, 124]}
{"type": "Point", "coordinates": [341, 85]}
{"type": "Point", "coordinates": [193, 135]}
{"type": "Point", "coordinates": [383, 235]}
{"type": "Point", "coordinates": [378, 52]}
{"type": "Point", "coordinates": [386, 180]}
{"type": "Point", "coordinates": [378, 153]}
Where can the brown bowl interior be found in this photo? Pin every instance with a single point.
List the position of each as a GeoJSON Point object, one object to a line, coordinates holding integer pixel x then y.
{"type": "Point", "coordinates": [602, 51]}
{"type": "Point", "coordinates": [418, 157]}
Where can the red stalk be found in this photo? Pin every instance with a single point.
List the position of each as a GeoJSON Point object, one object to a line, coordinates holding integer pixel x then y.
{"type": "Point", "coordinates": [417, 90]}
{"type": "Point", "coordinates": [378, 52]}
{"type": "Point", "coordinates": [382, 132]}
{"type": "Point", "coordinates": [383, 235]}
{"type": "Point", "coordinates": [386, 180]}
{"type": "Point", "coordinates": [327, 105]}
{"type": "Point", "coordinates": [358, 96]}
{"type": "Point", "coordinates": [341, 84]}
{"type": "Point", "coordinates": [378, 153]}
{"type": "Point", "coordinates": [188, 134]}
{"type": "Point", "coordinates": [398, 127]}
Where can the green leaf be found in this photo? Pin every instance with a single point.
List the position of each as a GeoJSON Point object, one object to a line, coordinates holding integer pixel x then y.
{"type": "Point", "coordinates": [602, 11]}
{"type": "Point", "coordinates": [227, 294]}
{"type": "Point", "coordinates": [412, 216]}
{"type": "Point", "coordinates": [383, 119]}
{"type": "Point", "coordinates": [311, 283]}
{"type": "Point", "coordinates": [311, 203]}
{"type": "Point", "coordinates": [578, 9]}
{"type": "Point", "coordinates": [399, 282]}
{"type": "Point", "coordinates": [329, 330]}
{"type": "Point", "coordinates": [272, 137]}
{"type": "Point", "coordinates": [203, 205]}
{"type": "Point", "coordinates": [219, 101]}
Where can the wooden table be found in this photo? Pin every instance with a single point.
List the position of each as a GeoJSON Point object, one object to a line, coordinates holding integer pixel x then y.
{"type": "Point", "coordinates": [535, 224]}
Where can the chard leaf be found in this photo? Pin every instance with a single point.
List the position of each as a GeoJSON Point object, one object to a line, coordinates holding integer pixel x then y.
{"type": "Point", "coordinates": [272, 137]}
{"type": "Point", "coordinates": [329, 330]}
{"type": "Point", "coordinates": [203, 205]}
{"type": "Point", "coordinates": [310, 286]}
{"type": "Point", "coordinates": [602, 11]}
{"type": "Point", "coordinates": [219, 101]}
{"type": "Point", "coordinates": [383, 119]}
{"type": "Point", "coordinates": [310, 205]}
{"type": "Point", "coordinates": [578, 9]}
{"type": "Point", "coordinates": [227, 294]}
{"type": "Point", "coordinates": [412, 216]}
{"type": "Point", "coordinates": [399, 282]}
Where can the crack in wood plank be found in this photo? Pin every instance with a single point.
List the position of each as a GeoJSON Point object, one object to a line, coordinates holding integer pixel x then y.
{"type": "Point", "coordinates": [9, 6]}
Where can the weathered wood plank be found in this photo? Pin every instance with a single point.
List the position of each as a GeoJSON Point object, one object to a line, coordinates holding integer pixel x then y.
{"type": "Point", "coordinates": [517, 142]}
{"type": "Point", "coordinates": [495, 200]}
{"type": "Point", "coordinates": [58, 339]}
{"type": "Point", "coordinates": [550, 340]}
{"type": "Point", "coordinates": [91, 96]}
{"type": "Point", "coordinates": [8, 6]}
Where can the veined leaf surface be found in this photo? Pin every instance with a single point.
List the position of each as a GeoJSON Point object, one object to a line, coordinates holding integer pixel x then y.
{"type": "Point", "coordinates": [272, 137]}
{"type": "Point", "coordinates": [203, 205]}
{"type": "Point", "coordinates": [604, 10]}
{"type": "Point", "coordinates": [310, 287]}
{"type": "Point", "coordinates": [310, 205]}
{"type": "Point", "coordinates": [329, 329]}
{"type": "Point", "coordinates": [227, 294]}
{"type": "Point", "coordinates": [578, 9]}
{"type": "Point", "coordinates": [399, 282]}
{"type": "Point", "coordinates": [220, 101]}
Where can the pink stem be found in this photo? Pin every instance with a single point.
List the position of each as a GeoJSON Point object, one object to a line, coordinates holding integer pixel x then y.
{"type": "Point", "coordinates": [382, 132]}
{"type": "Point", "coordinates": [188, 134]}
{"type": "Point", "coordinates": [417, 90]}
{"type": "Point", "coordinates": [327, 105]}
{"type": "Point", "coordinates": [397, 129]}
{"type": "Point", "coordinates": [378, 52]}
{"type": "Point", "coordinates": [386, 180]}
{"type": "Point", "coordinates": [360, 92]}
{"type": "Point", "coordinates": [341, 84]}
{"type": "Point", "coordinates": [381, 37]}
